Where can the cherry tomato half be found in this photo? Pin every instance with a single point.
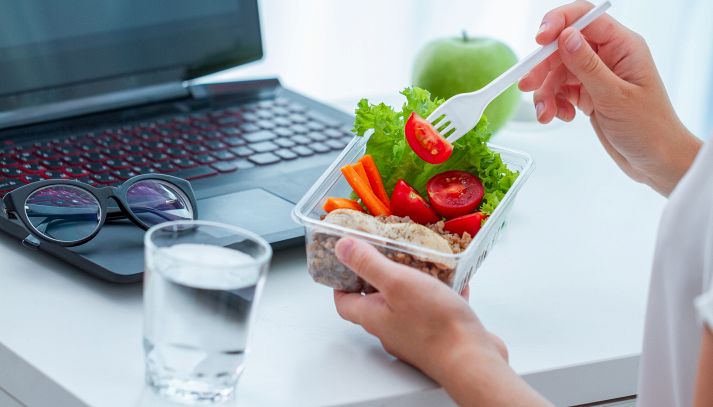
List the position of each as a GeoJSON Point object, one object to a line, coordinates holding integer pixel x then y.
{"type": "Point", "coordinates": [468, 223]}
{"type": "Point", "coordinates": [405, 201]}
{"type": "Point", "coordinates": [454, 193]}
{"type": "Point", "coordinates": [425, 140]}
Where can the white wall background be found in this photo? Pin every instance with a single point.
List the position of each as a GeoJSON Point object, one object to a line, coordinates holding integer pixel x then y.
{"type": "Point", "coordinates": [339, 49]}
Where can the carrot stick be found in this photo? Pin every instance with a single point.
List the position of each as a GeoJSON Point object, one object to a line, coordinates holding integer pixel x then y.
{"type": "Point", "coordinates": [361, 187]}
{"type": "Point", "coordinates": [359, 168]}
{"type": "Point", "coordinates": [341, 203]}
{"type": "Point", "coordinates": [377, 184]}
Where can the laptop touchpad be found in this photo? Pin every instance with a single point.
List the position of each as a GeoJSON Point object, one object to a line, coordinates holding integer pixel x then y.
{"type": "Point", "coordinates": [254, 209]}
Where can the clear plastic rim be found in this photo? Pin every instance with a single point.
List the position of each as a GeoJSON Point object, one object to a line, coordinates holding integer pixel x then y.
{"type": "Point", "coordinates": [260, 260]}
{"type": "Point", "coordinates": [300, 217]}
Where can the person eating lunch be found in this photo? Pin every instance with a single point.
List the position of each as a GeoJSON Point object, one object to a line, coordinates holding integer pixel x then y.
{"type": "Point", "coordinates": [606, 71]}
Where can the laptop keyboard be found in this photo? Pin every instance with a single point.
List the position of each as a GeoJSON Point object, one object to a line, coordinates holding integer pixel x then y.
{"type": "Point", "coordinates": [190, 146]}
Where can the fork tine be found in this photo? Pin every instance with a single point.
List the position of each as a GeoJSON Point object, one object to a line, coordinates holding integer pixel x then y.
{"type": "Point", "coordinates": [444, 131]}
{"type": "Point", "coordinates": [456, 135]}
{"type": "Point", "coordinates": [439, 121]}
{"type": "Point", "coordinates": [436, 114]}
{"type": "Point", "coordinates": [442, 125]}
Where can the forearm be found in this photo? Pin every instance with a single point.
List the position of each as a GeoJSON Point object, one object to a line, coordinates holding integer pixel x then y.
{"type": "Point", "coordinates": [676, 158]}
{"type": "Point", "coordinates": [485, 379]}
{"type": "Point", "coordinates": [704, 396]}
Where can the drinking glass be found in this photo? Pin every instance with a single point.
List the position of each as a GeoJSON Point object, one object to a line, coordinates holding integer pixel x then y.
{"type": "Point", "coordinates": [202, 283]}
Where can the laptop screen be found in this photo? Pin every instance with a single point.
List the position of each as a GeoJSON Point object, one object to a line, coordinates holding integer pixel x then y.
{"type": "Point", "coordinates": [54, 44]}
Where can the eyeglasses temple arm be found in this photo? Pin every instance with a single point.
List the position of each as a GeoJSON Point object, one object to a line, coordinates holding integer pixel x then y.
{"type": "Point", "coordinates": [113, 214]}
{"type": "Point", "coordinates": [117, 214]}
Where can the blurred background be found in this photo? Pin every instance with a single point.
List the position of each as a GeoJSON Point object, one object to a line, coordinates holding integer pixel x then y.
{"type": "Point", "coordinates": [339, 51]}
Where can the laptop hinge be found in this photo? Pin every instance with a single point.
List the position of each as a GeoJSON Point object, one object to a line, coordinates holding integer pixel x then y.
{"type": "Point", "coordinates": [255, 87]}
{"type": "Point", "coordinates": [92, 104]}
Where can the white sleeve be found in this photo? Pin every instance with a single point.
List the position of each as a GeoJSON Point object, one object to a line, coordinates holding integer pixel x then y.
{"type": "Point", "coordinates": [704, 302]}
{"type": "Point", "coordinates": [704, 306]}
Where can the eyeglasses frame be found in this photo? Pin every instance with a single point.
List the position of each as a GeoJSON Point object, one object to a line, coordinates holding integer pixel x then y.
{"type": "Point", "coordinates": [18, 197]}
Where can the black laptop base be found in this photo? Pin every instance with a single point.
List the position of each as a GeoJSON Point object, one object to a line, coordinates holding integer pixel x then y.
{"type": "Point", "coordinates": [287, 142]}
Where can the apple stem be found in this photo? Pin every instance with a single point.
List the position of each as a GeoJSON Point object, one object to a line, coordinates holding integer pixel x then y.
{"type": "Point", "coordinates": [465, 36]}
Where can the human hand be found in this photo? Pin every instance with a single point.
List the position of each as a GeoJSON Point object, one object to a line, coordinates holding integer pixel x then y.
{"type": "Point", "coordinates": [608, 73]}
{"type": "Point", "coordinates": [424, 323]}
{"type": "Point", "coordinates": [418, 319]}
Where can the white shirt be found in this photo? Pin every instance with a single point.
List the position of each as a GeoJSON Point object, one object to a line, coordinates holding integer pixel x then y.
{"type": "Point", "coordinates": [683, 266]}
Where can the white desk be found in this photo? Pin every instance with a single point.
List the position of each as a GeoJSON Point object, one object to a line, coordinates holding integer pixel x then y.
{"type": "Point", "coordinates": [565, 287]}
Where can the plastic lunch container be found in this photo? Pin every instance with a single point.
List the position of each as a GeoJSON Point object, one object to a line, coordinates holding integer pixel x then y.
{"type": "Point", "coordinates": [454, 269]}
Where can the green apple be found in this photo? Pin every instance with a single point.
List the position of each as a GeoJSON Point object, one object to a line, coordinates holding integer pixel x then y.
{"type": "Point", "coordinates": [449, 66]}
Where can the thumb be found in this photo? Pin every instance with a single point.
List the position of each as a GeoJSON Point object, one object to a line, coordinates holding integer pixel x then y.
{"type": "Point", "coordinates": [581, 60]}
{"type": "Point", "coordinates": [363, 259]}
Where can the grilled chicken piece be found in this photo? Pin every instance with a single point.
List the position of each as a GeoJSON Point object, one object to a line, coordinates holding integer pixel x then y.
{"type": "Point", "coordinates": [403, 232]}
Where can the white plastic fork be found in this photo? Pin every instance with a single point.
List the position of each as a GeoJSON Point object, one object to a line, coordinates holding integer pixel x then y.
{"type": "Point", "coordinates": [459, 114]}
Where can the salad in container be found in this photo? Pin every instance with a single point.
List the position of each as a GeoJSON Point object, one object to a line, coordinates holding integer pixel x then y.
{"type": "Point", "coordinates": [420, 201]}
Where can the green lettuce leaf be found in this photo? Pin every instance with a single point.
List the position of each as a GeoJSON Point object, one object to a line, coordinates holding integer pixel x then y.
{"type": "Point", "coordinates": [396, 160]}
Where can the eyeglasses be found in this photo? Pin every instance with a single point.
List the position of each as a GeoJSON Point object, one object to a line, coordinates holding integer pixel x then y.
{"type": "Point", "coordinates": [71, 213]}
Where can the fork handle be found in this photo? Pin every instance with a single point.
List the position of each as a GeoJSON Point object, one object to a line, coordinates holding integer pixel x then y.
{"type": "Point", "coordinates": [512, 75]}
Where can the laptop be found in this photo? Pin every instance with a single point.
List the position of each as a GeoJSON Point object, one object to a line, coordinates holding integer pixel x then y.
{"type": "Point", "coordinates": [103, 91]}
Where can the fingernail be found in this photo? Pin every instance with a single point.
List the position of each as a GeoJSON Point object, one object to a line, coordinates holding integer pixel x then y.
{"type": "Point", "coordinates": [573, 43]}
{"type": "Point", "coordinates": [343, 249]}
{"type": "Point", "coordinates": [543, 28]}
{"type": "Point", "coordinates": [539, 109]}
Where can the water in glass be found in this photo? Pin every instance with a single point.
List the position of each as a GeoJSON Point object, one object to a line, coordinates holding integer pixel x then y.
{"type": "Point", "coordinates": [199, 303]}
